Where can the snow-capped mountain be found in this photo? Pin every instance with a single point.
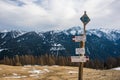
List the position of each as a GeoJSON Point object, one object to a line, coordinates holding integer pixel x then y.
{"type": "Point", "coordinates": [101, 43]}
{"type": "Point", "coordinates": [112, 35]}
{"type": "Point", "coordinates": [12, 34]}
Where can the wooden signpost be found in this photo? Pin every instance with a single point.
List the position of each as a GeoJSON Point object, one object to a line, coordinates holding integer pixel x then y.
{"type": "Point", "coordinates": [81, 51]}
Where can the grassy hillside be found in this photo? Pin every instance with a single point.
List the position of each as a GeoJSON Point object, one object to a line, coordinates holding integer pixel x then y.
{"type": "Point", "coordinates": [54, 73]}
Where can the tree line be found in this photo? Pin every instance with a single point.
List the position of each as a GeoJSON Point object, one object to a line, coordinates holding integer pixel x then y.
{"type": "Point", "coordinates": [48, 59]}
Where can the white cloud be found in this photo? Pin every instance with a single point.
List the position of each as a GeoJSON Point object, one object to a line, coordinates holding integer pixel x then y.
{"type": "Point", "coordinates": [55, 14]}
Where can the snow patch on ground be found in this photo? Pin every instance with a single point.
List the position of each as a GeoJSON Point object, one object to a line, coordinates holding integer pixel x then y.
{"type": "Point", "coordinates": [72, 72]}
{"type": "Point", "coordinates": [36, 65]}
{"type": "Point", "coordinates": [34, 75]}
{"type": "Point", "coordinates": [36, 71]}
{"type": "Point", "coordinates": [27, 66]}
{"type": "Point", "coordinates": [46, 70]}
{"type": "Point", "coordinates": [118, 68]}
{"type": "Point", "coordinates": [15, 75]}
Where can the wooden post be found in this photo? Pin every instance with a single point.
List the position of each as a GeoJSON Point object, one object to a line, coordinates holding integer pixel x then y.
{"type": "Point", "coordinates": [82, 38]}
{"type": "Point", "coordinates": [80, 71]}
{"type": "Point", "coordinates": [81, 64]}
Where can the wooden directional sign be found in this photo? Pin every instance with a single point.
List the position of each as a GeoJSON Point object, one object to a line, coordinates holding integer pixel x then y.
{"type": "Point", "coordinates": [79, 38]}
{"type": "Point", "coordinates": [80, 50]}
{"type": "Point", "coordinates": [85, 19]}
{"type": "Point", "coordinates": [79, 58]}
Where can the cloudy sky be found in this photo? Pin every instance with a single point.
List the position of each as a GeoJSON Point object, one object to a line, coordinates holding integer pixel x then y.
{"type": "Point", "coordinates": [44, 15]}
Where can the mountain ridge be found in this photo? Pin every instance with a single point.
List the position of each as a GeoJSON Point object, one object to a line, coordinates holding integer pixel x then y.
{"type": "Point", "coordinates": [101, 43]}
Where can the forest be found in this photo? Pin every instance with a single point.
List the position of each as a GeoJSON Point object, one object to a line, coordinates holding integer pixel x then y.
{"type": "Point", "coordinates": [47, 59]}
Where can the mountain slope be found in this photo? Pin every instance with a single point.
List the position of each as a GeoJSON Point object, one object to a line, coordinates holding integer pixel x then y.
{"type": "Point", "coordinates": [101, 43]}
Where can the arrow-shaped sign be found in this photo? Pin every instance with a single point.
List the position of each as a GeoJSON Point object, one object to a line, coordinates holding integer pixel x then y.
{"type": "Point", "coordinates": [79, 58]}
{"type": "Point", "coordinates": [79, 38]}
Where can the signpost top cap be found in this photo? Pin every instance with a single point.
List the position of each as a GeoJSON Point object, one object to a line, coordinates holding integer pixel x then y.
{"type": "Point", "coordinates": [84, 12]}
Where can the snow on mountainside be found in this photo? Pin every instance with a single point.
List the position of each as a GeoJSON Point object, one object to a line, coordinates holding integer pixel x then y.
{"type": "Point", "coordinates": [73, 31]}
{"type": "Point", "coordinates": [4, 31]}
{"type": "Point", "coordinates": [100, 42]}
{"type": "Point", "coordinates": [110, 34]}
{"type": "Point", "coordinates": [2, 50]}
{"type": "Point", "coordinates": [13, 34]}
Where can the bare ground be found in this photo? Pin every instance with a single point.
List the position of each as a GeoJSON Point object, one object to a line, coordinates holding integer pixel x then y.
{"type": "Point", "coordinates": [54, 73]}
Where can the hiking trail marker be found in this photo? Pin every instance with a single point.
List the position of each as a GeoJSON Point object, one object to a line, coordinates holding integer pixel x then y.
{"type": "Point", "coordinates": [79, 38]}
{"type": "Point", "coordinates": [79, 59]}
{"type": "Point", "coordinates": [81, 51]}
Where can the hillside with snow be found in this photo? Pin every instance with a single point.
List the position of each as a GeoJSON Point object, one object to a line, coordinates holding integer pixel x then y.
{"type": "Point", "coordinates": [101, 43]}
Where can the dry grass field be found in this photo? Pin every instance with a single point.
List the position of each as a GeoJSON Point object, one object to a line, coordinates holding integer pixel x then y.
{"type": "Point", "coordinates": [54, 73]}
